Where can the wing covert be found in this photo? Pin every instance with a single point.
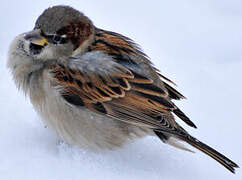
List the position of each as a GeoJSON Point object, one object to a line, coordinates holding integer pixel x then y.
{"type": "Point", "coordinates": [96, 81]}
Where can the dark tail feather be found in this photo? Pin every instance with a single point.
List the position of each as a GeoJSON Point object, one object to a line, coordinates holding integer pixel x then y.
{"type": "Point", "coordinates": [227, 163]}
{"type": "Point", "coordinates": [183, 117]}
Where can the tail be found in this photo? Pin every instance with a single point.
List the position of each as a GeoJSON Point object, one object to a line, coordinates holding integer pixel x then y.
{"type": "Point", "coordinates": [227, 163]}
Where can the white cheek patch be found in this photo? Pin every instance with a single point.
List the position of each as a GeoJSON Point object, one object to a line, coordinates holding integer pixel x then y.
{"type": "Point", "coordinates": [53, 51]}
{"type": "Point", "coordinates": [47, 53]}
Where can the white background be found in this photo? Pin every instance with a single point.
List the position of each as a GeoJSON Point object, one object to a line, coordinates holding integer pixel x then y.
{"type": "Point", "coordinates": [195, 43]}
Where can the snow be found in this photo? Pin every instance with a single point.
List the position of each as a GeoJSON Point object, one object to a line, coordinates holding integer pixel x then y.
{"type": "Point", "coordinates": [196, 44]}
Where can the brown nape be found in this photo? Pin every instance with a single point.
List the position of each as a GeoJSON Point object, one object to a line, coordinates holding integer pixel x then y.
{"type": "Point", "coordinates": [77, 32]}
{"type": "Point", "coordinates": [112, 43]}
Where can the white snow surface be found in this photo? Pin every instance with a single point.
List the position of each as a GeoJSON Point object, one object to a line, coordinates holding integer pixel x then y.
{"type": "Point", "coordinates": [198, 44]}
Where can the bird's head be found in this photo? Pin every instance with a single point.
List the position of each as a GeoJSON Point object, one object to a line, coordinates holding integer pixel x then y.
{"type": "Point", "coordinates": [59, 31]}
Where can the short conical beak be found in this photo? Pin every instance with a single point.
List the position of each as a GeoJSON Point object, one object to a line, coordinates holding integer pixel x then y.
{"type": "Point", "coordinates": [35, 38]}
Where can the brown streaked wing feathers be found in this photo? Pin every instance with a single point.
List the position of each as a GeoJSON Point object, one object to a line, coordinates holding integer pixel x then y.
{"type": "Point", "coordinates": [109, 87]}
{"type": "Point", "coordinates": [106, 84]}
{"type": "Point", "coordinates": [116, 85]}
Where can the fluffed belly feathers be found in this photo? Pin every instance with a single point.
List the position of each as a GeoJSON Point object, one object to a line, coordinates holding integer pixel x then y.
{"type": "Point", "coordinates": [78, 125]}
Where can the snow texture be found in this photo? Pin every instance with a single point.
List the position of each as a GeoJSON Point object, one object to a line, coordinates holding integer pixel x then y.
{"type": "Point", "coordinates": [198, 44]}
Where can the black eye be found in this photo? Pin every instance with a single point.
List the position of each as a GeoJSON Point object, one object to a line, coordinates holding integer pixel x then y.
{"type": "Point", "coordinates": [56, 39]}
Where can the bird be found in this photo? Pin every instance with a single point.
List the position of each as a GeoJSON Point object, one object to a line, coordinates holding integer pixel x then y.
{"type": "Point", "coordinates": [96, 88]}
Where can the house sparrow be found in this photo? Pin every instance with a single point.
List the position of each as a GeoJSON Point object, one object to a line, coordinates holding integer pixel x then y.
{"type": "Point", "coordinates": [96, 88]}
